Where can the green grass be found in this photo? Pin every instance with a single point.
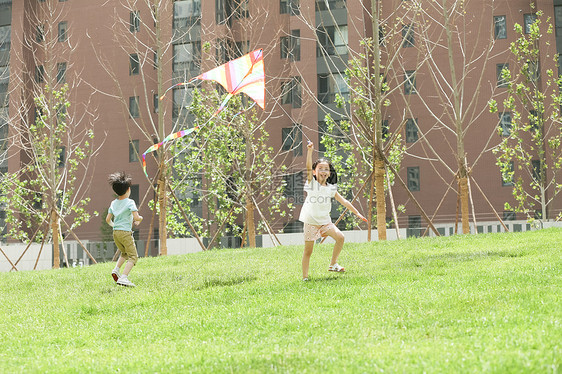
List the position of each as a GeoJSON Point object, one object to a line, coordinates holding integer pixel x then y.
{"type": "Point", "coordinates": [485, 303]}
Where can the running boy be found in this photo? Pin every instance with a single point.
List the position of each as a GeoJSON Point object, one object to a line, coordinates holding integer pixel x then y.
{"type": "Point", "coordinates": [320, 187]}
{"type": "Point", "coordinates": [123, 211]}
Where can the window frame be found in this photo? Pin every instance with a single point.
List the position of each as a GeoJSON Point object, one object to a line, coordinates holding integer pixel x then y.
{"type": "Point", "coordinates": [413, 178]}
{"type": "Point", "coordinates": [500, 20]}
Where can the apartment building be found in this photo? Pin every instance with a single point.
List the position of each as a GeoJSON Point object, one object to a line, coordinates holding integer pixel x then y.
{"type": "Point", "coordinates": [110, 55]}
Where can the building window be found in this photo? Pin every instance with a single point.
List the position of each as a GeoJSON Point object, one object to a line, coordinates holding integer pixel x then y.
{"type": "Point", "coordinates": [330, 5]}
{"type": "Point", "coordinates": [408, 36]}
{"type": "Point", "coordinates": [134, 21]}
{"type": "Point", "coordinates": [536, 164]}
{"type": "Point", "coordinates": [186, 13]}
{"type": "Point", "coordinates": [39, 74]}
{"type": "Point", "coordinates": [134, 66]}
{"type": "Point", "coordinates": [291, 46]}
{"type": "Point", "coordinates": [410, 82]}
{"type": "Point", "coordinates": [292, 139]}
{"type": "Point", "coordinates": [61, 72]}
{"type": "Point", "coordinates": [63, 26]}
{"type": "Point", "coordinates": [135, 194]}
{"type": "Point", "coordinates": [289, 7]}
{"type": "Point", "coordinates": [329, 85]}
{"type": "Point", "coordinates": [61, 159]}
{"type": "Point", "coordinates": [182, 101]}
{"type": "Point", "coordinates": [501, 81]}
{"type": "Point", "coordinates": [40, 33]}
{"type": "Point", "coordinates": [291, 92]}
{"type": "Point", "coordinates": [534, 120]}
{"type": "Point", "coordinates": [507, 175]}
{"type": "Point", "coordinates": [500, 27]}
{"type": "Point", "coordinates": [413, 178]}
{"type": "Point", "coordinates": [187, 56]}
{"type": "Point", "coordinates": [134, 150]}
{"type": "Point", "coordinates": [332, 40]}
{"type": "Point", "coordinates": [414, 226]}
{"type": "Point", "coordinates": [3, 140]}
{"type": "Point", "coordinates": [411, 130]}
{"type": "Point", "coordinates": [220, 13]}
{"type": "Point", "coordinates": [529, 19]}
{"type": "Point", "coordinates": [294, 187]}
{"type": "Point", "coordinates": [240, 8]}
{"type": "Point", "coordinates": [134, 106]}
{"type": "Point", "coordinates": [385, 128]}
{"type": "Point", "coordinates": [505, 123]}
{"type": "Point", "coordinates": [225, 10]}
{"type": "Point", "coordinates": [558, 20]}
{"type": "Point", "coordinates": [240, 49]}
{"type": "Point", "coordinates": [5, 37]}
{"type": "Point", "coordinates": [509, 215]}
{"type": "Point", "coordinates": [155, 60]}
{"type": "Point", "coordinates": [156, 100]}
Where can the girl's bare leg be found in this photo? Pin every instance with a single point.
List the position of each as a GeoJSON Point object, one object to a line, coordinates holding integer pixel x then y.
{"type": "Point", "coordinates": [337, 235]}
{"type": "Point", "coordinates": [308, 247]}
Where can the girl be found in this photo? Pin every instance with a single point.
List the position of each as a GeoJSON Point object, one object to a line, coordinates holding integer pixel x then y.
{"type": "Point", "coordinates": [320, 187]}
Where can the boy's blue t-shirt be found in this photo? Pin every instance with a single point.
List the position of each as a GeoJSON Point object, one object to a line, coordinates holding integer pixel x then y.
{"type": "Point", "coordinates": [122, 214]}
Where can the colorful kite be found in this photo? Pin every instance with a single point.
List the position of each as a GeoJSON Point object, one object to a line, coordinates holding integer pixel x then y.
{"type": "Point", "coordinates": [244, 74]}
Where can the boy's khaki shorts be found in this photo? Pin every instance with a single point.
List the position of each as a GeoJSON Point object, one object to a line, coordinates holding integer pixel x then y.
{"type": "Point", "coordinates": [126, 244]}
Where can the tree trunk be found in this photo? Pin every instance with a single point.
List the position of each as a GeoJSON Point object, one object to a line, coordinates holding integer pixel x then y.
{"type": "Point", "coordinates": [250, 225]}
{"type": "Point", "coordinates": [369, 213]}
{"type": "Point", "coordinates": [250, 222]}
{"type": "Point", "coordinates": [55, 235]}
{"type": "Point", "coordinates": [162, 206]}
{"type": "Point", "coordinates": [381, 204]}
{"type": "Point", "coordinates": [463, 188]}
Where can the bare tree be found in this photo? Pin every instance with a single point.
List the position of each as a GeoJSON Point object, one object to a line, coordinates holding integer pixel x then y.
{"type": "Point", "coordinates": [141, 30]}
{"type": "Point", "coordinates": [53, 138]}
{"type": "Point", "coordinates": [364, 56]}
{"type": "Point", "coordinates": [458, 42]}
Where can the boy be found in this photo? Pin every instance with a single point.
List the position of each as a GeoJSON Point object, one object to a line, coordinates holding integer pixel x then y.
{"type": "Point", "coordinates": [123, 211]}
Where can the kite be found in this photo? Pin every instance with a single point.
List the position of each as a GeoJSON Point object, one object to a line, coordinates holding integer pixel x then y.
{"type": "Point", "coordinates": [244, 74]}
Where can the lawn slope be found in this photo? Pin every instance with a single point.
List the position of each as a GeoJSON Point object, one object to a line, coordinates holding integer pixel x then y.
{"type": "Point", "coordinates": [483, 303]}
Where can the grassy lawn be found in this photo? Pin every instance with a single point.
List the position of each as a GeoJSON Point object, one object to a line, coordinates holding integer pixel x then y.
{"type": "Point", "coordinates": [484, 303]}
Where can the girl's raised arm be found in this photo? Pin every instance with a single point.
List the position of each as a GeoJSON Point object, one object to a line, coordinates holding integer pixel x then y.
{"type": "Point", "coordinates": [310, 147]}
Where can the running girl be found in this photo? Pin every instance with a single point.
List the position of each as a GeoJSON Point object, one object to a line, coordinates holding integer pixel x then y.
{"type": "Point", "coordinates": [320, 187]}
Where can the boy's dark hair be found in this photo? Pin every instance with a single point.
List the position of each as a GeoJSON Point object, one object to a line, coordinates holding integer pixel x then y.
{"type": "Point", "coordinates": [333, 178]}
{"type": "Point", "coordinates": [120, 182]}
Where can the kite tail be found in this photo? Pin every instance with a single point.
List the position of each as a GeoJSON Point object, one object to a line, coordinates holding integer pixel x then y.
{"type": "Point", "coordinates": [177, 85]}
{"type": "Point", "coordinates": [155, 147]}
{"type": "Point", "coordinates": [223, 104]}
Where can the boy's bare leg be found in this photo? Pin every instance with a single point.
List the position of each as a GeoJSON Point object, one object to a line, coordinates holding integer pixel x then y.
{"type": "Point", "coordinates": [308, 247]}
{"type": "Point", "coordinates": [121, 261]}
{"type": "Point", "coordinates": [128, 266]}
{"type": "Point", "coordinates": [338, 236]}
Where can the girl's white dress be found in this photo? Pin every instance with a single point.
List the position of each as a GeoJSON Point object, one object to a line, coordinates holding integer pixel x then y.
{"type": "Point", "coordinates": [318, 203]}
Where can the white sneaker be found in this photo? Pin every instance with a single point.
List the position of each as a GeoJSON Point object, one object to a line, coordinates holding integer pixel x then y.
{"type": "Point", "coordinates": [115, 274]}
{"type": "Point", "coordinates": [124, 281]}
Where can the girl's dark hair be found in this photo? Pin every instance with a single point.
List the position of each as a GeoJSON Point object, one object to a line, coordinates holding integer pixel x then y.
{"type": "Point", "coordinates": [120, 182]}
{"type": "Point", "coordinates": [333, 178]}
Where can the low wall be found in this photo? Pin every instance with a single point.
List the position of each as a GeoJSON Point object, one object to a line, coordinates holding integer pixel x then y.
{"type": "Point", "coordinates": [27, 262]}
